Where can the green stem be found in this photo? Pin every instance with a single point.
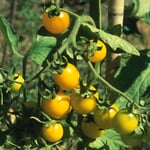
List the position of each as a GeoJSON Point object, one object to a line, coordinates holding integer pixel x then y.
{"type": "Point", "coordinates": [107, 83]}
{"type": "Point", "coordinates": [72, 37]}
{"type": "Point", "coordinates": [24, 76]}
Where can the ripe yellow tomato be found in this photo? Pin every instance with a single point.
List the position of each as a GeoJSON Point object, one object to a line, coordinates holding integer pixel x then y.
{"type": "Point", "coordinates": [90, 129]}
{"type": "Point", "coordinates": [100, 53]}
{"type": "Point", "coordinates": [16, 86]}
{"type": "Point", "coordinates": [82, 105]}
{"type": "Point", "coordinates": [69, 78]}
{"type": "Point", "coordinates": [125, 122]}
{"type": "Point", "coordinates": [53, 133]}
{"type": "Point", "coordinates": [56, 24]}
{"type": "Point", "coordinates": [57, 107]}
{"type": "Point", "coordinates": [104, 117]}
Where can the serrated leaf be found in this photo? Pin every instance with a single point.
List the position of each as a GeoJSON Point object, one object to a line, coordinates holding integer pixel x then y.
{"type": "Point", "coordinates": [110, 140]}
{"type": "Point", "coordinates": [9, 35]}
{"type": "Point", "coordinates": [41, 49]}
{"type": "Point", "coordinates": [113, 41]}
{"type": "Point", "coordinates": [133, 79]}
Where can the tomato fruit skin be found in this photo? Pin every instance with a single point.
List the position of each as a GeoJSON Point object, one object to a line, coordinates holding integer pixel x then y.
{"type": "Point", "coordinates": [90, 129]}
{"type": "Point", "coordinates": [99, 55]}
{"type": "Point", "coordinates": [104, 116]}
{"type": "Point", "coordinates": [57, 107]}
{"type": "Point", "coordinates": [125, 122]}
{"type": "Point", "coordinates": [69, 78]}
{"type": "Point", "coordinates": [82, 105]}
{"type": "Point", "coordinates": [56, 24]}
{"type": "Point", "coordinates": [53, 133]}
{"type": "Point", "coordinates": [15, 87]}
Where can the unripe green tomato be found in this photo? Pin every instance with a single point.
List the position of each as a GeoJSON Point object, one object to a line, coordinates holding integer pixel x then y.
{"type": "Point", "coordinates": [132, 140]}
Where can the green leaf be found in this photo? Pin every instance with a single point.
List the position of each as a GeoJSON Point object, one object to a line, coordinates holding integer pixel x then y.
{"type": "Point", "coordinates": [113, 41]}
{"type": "Point", "coordinates": [9, 35]}
{"type": "Point", "coordinates": [133, 78]}
{"type": "Point", "coordinates": [41, 49]}
{"type": "Point", "coordinates": [138, 8]}
{"type": "Point", "coordinates": [110, 140]}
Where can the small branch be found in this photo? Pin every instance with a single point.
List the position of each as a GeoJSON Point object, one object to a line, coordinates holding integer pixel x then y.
{"type": "Point", "coordinates": [107, 83]}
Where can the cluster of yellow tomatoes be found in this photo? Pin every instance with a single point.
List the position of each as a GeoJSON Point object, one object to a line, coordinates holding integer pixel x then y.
{"type": "Point", "coordinates": [123, 121]}
{"type": "Point", "coordinates": [68, 80]}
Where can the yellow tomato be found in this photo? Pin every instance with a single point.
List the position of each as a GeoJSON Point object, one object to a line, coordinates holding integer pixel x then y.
{"type": "Point", "coordinates": [56, 24]}
{"type": "Point", "coordinates": [16, 86]}
{"type": "Point", "coordinates": [104, 116]}
{"type": "Point", "coordinates": [69, 78]}
{"type": "Point", "coordinates": [100, 53]}
{"type": "Point", "coordinates": [90, 129]}
{"type": "Point", "coordinates": [82, 105]}
{"type": "Point", "coordinates": [53, 133]}
{"type": "Point", "coordinates": [57, 107]}
{"type": "Point", "coordinates": [125, 122]}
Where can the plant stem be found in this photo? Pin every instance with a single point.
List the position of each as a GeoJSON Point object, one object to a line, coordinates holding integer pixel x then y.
{"type": "Point", "coordinates": [107, 83]}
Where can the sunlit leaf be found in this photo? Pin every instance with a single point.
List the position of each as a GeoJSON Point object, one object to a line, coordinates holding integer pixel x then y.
{"type": "Point", "coordinates": [41, 49]}
{"type": "Point", "coordinates": [110, 140]}
{"type": "Point", "coordinates": [113, 41]}
{"type": "Point", "coordinates": [9, 35]}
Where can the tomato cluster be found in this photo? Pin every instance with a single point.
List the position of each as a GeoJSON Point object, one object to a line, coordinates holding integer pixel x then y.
{"type": "Point", "coordinates": [70, 96]}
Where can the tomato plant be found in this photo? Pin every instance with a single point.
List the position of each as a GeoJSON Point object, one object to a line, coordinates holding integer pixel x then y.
{"type": "Point", "coordinates": [57, 107]}
{"type": "Point", "coordinates": [53, 133]}
{"type": "Point", "coordinates": [69, 78]}
{"type": "Point", "coordinates": [104, 116]}
{"type": "Point", "coordinates": [125, 122]}
{"type": "Point", "coordinates": [51, 95]}
{"type": "Point", "coordinates": [56, 24]}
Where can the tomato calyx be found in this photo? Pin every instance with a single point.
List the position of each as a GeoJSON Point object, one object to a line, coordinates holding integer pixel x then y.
{"type": "Point", "coordinates": [53, 9]}
{"type": "Point", "coordinates": [47, 87]}
{"type": "Point", "coordinates": [58, 64]}
{"type": "Point", "coordinates": [86, 90]}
